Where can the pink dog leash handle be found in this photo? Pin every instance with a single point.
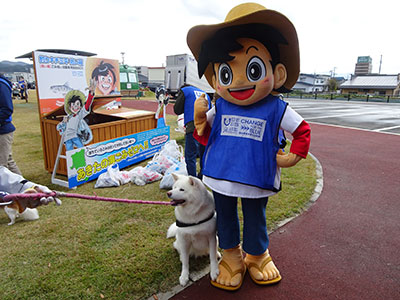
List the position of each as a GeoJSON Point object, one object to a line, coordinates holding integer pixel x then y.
{"type": "Point", "coordinates": [2, 201]}
{"type": "Point", "coordinates": [55, 194]}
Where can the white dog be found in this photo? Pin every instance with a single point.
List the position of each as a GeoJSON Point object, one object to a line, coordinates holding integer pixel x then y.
{"type": "Point", "coordinates": [195, 226]}
{"type": "Point", "coordinates": [29, 214]}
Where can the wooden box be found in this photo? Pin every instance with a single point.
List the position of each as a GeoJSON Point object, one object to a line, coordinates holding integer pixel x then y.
{"type": "Point", "coordinates": [105, 125]}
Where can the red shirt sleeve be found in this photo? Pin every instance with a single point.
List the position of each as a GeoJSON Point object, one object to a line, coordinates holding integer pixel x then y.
{"type": "Point", "coordinates": [204, 138]}
{"type": "Point", "coordinates": [301, 140]}
{"type": "Point", "coordinates": [89, 101]}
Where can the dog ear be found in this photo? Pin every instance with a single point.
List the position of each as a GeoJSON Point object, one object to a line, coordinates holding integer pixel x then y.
{"type": "Point", "coordinates": [175, 176]}
{"type": "Point", "coordinates": [192, 180]}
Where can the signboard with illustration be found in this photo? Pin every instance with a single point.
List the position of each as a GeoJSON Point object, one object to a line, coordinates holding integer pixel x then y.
{"type": "Point", "coordinates": [57, 74]}
{"type": "Point", "coordinates": [87, 163]}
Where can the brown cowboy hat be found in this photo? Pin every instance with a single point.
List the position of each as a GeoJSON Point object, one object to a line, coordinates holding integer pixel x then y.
{"type": "Point", "coordinates": [247, 13]}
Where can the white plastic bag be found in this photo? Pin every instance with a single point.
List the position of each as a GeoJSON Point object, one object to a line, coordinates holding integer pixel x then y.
{"type": "Point", "coordinates": [168, 181]}
{"type": "Point", "coordinates": [171, 153]}
{"type": "Point", "coordinates": [172, 149]}
{"type": "Point", "coordinates": [160, 163]}
{"type": "Point", "coordinates": [109, 178]}
{"type": "Point", "coordinates": [180, 122]}
{"type": "Point", "coordinates": [141, 176]}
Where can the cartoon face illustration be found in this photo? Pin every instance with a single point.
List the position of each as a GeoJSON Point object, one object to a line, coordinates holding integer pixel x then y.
{"type": "Point", "coordinates": [105, 78]}
{"type": "Point", "coordinates": [106, 83]}
{"type": "Point", "coordinates": [75, 104]}
{"type": "Point", "coordinates": [249, 77]}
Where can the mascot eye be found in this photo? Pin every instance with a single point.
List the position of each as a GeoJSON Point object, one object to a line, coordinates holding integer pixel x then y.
{"type": "Point", "coordinates": [255, 69]}
{"type": "Point", "coordinates": [225, 74]}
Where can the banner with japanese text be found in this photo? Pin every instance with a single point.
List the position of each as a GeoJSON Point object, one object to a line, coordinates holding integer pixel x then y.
{"type": "Point", "coordinates": [87, 163]}
{"type": "Point", "coordinates": [57, 74]}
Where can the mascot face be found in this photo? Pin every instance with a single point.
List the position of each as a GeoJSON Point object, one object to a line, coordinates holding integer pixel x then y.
{"type": "Point", "coordinates": [249, 77]}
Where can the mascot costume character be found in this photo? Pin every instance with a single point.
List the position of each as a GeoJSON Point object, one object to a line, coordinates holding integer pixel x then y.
{"type": "Point", "coordinates": [249, 59]}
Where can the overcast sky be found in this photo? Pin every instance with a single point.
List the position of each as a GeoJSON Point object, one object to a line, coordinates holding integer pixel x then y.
{"type": "Point", "coordinates": [332, 34]}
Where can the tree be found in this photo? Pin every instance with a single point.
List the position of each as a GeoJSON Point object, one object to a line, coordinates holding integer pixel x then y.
{"type": "Point", "coordinates": [332, 85]}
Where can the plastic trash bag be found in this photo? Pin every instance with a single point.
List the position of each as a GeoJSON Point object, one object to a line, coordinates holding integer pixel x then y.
{"type": "Point", "coordinates": [171, 153]}
{"type": "Point", "coordinates": [161, 163]}
{"type": "Point", "coordinates": [168, 181]}
{"type": "Point", "coordinates": [180, 123]}
{"type": "Point", "coordinates": [113, 177]}
{"type": "Point", "coordinates": [172, 149]}
{"type": "Point", "coordinates": [141, 175]}
{"type": "Point", "coordinates": [109, 178]}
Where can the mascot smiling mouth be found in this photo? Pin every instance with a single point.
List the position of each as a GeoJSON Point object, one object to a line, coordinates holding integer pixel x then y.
{"type": "Point", "coordinates": [242, 93]}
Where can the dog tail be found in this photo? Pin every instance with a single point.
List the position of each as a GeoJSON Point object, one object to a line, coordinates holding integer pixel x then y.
{"type": "Point", "coordinates": [171, 231]}
{"type": "Point", "coordinates": [30, 214]}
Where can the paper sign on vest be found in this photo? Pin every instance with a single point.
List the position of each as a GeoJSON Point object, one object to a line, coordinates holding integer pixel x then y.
{"type": "Point", "coordinates": [244, 127]}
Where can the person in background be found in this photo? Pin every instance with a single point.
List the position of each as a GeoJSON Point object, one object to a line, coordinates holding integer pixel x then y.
{"type": "Point", "coordinates": [184, 104]}
{"type": "Point", "coordinates": [6, 127]}
{"type": "Point", "coordinates": [23, 88]}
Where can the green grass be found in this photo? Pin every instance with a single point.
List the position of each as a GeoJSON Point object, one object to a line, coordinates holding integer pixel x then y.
{"type": "Point", "coordinates": [90, 250]}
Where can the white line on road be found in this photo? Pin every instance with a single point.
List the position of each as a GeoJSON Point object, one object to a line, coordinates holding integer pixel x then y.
{"type": "Point", "coordinates": [335, 116]}
{"type": "Point", "coordinates": [355, 128]}
{"type": "Point", "coordinates": [321, 108]}
{"type": "Point", "coordinates": [387, 128]}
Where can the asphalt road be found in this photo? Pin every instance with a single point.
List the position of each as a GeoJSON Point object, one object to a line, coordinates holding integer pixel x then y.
{"type": "Point", "coordinates": [378, 117]}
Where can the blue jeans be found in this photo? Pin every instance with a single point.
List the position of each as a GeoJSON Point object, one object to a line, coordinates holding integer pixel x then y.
{"type": "Point", "coordinates": [193, 149]}
{"type": "Point", "coordinates": [255, 236]}
{"type": "Point", "coordinates": [69, 145]}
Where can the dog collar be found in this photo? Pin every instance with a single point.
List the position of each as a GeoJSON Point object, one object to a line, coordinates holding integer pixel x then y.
{"type": "Point", "coordinates": [181, 224]}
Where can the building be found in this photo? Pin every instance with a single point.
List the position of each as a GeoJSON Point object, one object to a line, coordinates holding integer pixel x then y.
{"type": "Point", "coordinates": [374, 84]}
{"type": "Point", "coordinates": [151, 77]}
{"type": "Point", "coordinates": [363, 66]}
{"type": "Point", "coordinates": [311, 83]}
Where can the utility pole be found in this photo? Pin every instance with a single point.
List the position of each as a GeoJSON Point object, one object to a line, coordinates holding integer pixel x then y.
{"type": "Point", "coordinates": [380, 64]}
{"type": "Point", "coordinates": [123, 60]}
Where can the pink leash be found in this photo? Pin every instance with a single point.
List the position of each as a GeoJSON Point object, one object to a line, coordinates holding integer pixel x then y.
{"type": "Point", "coordinates": [12, 197]}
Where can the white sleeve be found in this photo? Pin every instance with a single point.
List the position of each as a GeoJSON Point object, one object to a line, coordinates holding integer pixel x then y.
{"type": "Point", "coordinates": [13, 183]}
{"type": "Point", "coordinates": [291, 120]}
{"type": "Point", "coordinates": [211, 116]}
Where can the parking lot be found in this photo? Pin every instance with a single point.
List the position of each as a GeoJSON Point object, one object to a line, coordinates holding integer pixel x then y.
{"type": "Point", "coordinates": [378, 117]}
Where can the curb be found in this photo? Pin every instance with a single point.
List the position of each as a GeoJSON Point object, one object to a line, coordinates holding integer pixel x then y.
{"type": "Point", "coordinates": [314, 197]}
{"type": "Point", "coordinates": [195, 276]}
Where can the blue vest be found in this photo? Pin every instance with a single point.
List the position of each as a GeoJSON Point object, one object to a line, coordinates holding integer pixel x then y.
{"type": "Point", "coordinates": [243, 143]}
{"type": "Point", "coordinates": [9, 119]}
{"type": "Point", "coordinates": [191, 94]}
{"type": "Point", "coordinates": [22, 84]}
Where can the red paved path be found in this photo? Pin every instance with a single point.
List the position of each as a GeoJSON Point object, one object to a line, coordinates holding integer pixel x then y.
{"type": "Point", "coordinates": [347, 245]}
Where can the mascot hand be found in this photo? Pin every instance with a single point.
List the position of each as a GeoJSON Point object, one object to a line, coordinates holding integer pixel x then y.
{"type": "Point", "coordinates": [287, 160]}
{"type": "Point", "coordinates": [200, 116]}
